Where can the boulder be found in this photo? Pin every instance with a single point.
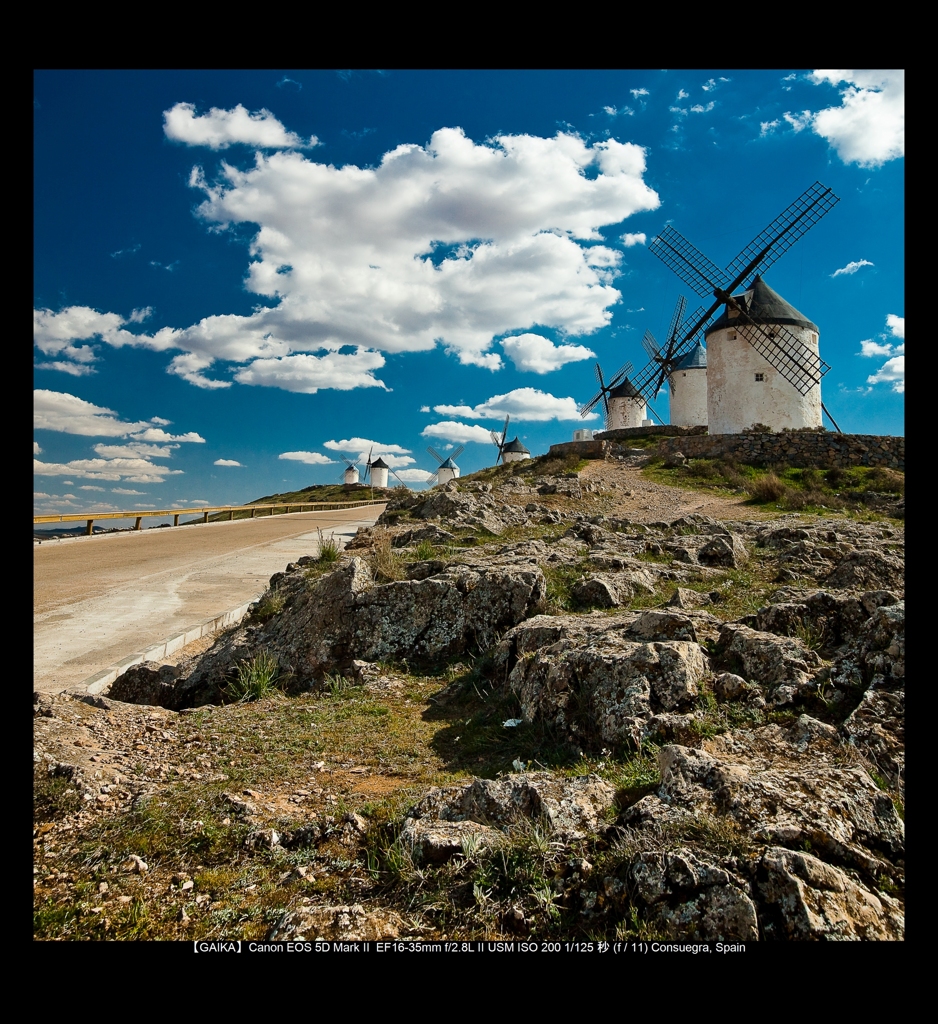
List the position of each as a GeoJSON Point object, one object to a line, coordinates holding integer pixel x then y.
{"type": "Point", "coordinates": [569, 807]}
{"type": "Point", "coordinates": [866, 570]}
{"type": "Point", "coordinates": [808, 899]}
{"type": "Point", "coordinates": [783, 665]}
{"type": "Point", "coordinates": [687, 895]}
{"type": "Point", "coordinates": [725, 550]}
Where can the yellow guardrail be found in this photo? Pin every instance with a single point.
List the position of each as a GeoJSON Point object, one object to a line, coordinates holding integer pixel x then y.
{"type": "Point", "coordinates": [293, 506]}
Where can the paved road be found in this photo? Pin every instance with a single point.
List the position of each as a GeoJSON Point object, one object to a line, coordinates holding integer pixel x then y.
{"type": "Point", "coordinates": [98, 600]}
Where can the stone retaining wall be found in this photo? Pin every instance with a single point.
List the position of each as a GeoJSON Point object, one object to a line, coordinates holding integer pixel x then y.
{"type": "Point", "coordinates": [584, 449]}
{"type": "Point", "coordinates": [626, 433]}
{"type": "Point", "coordinates": [821, 450]}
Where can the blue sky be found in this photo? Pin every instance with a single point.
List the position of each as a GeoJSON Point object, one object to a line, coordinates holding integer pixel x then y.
{"type": "Point", "coordinates": [242, 277]}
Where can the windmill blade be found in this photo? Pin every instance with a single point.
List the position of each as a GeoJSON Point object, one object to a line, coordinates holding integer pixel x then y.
{"type": "Point", "coordinates": [598, 371]}
{"type": "Point", "coordinates": [649, 382]}
{"type": "Point", "coordinates": [459, 450]}
{"type": "Point", "coordinates": [784, 351]}
{"type": "Point", "coordinates": [773, 242]}
{"type": "Point", "coordinates": [650, 345]}
{"type": "Point", "coordinates": [496, 440]}
{"type": "Point", "coordinates": [624, 370]}
{"type": "Point", "coordinates": [439, 458]}
{"type": "Point", "coordinates": [677, 317]}
{"type": "Point", "coordinates": [689, 263]}
{"type": "Point", "coordinates": [505, 431]}
{"type": "Point", "coordinates": [588, 408]}
{"type": "Point", "coordinates": [398, 479]}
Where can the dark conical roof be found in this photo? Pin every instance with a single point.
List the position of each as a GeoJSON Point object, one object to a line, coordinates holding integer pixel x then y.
{"type": "Point", "coordinates": [624, 390]}
{"type": "Point", "coordinates": [515, 446]}
{"type": "Point", "coordinates": [448, 464]}
{"type": "Point", "coordinates": [696, 359]}
{"type": "Point", "coordinates": [765, 304]}
{"type": "Point", "coordinates": [379, 463]}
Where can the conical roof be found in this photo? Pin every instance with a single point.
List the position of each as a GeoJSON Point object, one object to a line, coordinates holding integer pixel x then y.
{"type": "Point", "coordinates": [765, 304]}
{"type": "Point", "coordinates": [515, 446]}
{"type": "Point", "coordinates": [624, 390]}
{"type": "Point", "coordinates": [379, 463]}
{"type": "Point", "coordinates": [696, 359]}
{"type": "Point", "coordinates": [448, 464]}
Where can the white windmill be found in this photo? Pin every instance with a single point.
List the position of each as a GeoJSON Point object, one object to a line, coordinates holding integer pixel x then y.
{"type": "Point", "coordinates": [350, 475]}
{"type": "Point", "coordinates": [624, 406]}
{"type": "Point", "coordinates": [448, 470]}
{"type": "Point", "coordinates": [764, 364]}
{"type": "Point", "coordinates": [687, 373]}
{"type": "Point", "coordinates": [513, 451]}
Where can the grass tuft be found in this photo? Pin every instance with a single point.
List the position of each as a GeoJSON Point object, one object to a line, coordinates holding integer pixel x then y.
{"type": "Point", "coordinates": [257, 678]}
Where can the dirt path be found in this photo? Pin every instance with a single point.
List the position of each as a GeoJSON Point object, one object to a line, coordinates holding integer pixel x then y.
{"type": "Point", "coordinates": [626, 493]}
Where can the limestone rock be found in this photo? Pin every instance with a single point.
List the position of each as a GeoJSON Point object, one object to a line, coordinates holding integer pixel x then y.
{"type": "Point", "coordinates": [727, 551]}
{"type": "Point", "coordinates": [689, 896]}
{"type": "Point", "coordinates": [784, 666]}
{"type": "Point", "coordinates": [338, 924]}
{"type": "Point", "coordinates": [866, 570]}
{"type": "Point", "coordinates": [593, 681]}
{"type": "Point", "coordinates": [813, 900]}
{"type": "Point", "coordinates": [570, 807]}
{"type": "Point", "coordinates": [432, 842]}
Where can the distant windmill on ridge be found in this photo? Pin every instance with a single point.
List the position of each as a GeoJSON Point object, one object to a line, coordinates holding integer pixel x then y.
{"type": "Point", "coordinates": [513, 451]}
{"type": "Point", "coordinates": [448, 470]}
{"type": "Point", "coordinates": [350, 475]}
{"type": "Point", "coordinates": [763, 361]}
{"type": "Point", "coordinates": [623, 404]}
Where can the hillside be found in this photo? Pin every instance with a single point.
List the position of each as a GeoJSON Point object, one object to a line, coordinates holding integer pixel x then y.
{"type": "Point", "coordinates": [558, 700]}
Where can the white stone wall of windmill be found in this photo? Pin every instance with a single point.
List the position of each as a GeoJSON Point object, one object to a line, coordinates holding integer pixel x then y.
{"type": "Point", "coordinates": [763, 358]}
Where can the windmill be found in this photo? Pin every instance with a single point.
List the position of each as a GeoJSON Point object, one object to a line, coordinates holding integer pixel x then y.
{"type": "Point", "coordinates": [623, 405]}
{"type": "Point", "coordinates": [690, 407]}
{"type": "Point", "coordinates": [448, 470]}
{"type": "Point", "coordinates": [759, 339]}
{"type": "Point", "coordinates": [350, 475]}
{"type": "Point", "coordinates": [512, 451]}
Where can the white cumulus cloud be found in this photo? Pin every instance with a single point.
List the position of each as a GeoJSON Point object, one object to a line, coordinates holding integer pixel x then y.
{"type": "Point", "coordinates": [453, 243]}
{"type": "Point", "coordinates": [414, 476]}
{"type": "Point", "coordinates": [537, 354]}
{"type": "Point", "coordinates": [892, 372]}
{"type": "Point", "coordinates": [462, 432]}
{"type": "Point", "coordinates": [868, 128]}
{"type": "Point", "coordinates": [520, 404]}
{"type": "Point", "coordinates": [219, 129]}
{"type": "Point", "coordinates": [310, 458]}
{"type": "Point", "coordinates": [852, 267]}
{"type": "Point", "coordinates": [225, 462]}
{"type": "Point", "coordinates": [629, 239]}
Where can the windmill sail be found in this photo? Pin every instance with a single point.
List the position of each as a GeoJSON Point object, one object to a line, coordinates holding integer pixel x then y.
{"type": "Point", "coordinates": [782, 349]}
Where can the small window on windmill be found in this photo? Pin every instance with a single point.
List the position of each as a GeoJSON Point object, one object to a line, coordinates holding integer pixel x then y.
{"type": "Point", "coordinates": [731, 335]}
{"type": "Point", "coordinates": [760, 376]}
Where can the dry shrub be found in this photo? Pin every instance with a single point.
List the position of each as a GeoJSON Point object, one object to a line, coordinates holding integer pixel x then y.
{"type": "Point", "coordinates": [386, 563]}
{"type": "Point", "coordinates": [882, 479]}
{"type": "Point", "coordinates": [767, 488]}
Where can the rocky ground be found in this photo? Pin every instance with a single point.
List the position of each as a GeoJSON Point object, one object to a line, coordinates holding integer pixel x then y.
{"type": "Point", "coordinates": [563, 701]}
